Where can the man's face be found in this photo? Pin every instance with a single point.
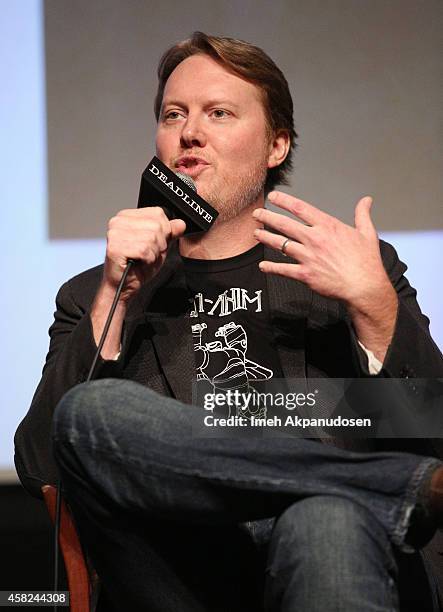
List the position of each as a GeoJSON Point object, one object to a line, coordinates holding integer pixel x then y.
{"type": "Point", "coordinates": [212, 127]}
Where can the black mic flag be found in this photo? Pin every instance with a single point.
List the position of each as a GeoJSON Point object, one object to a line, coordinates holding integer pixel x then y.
{"type": "Point", "coordinates": [160, 186]}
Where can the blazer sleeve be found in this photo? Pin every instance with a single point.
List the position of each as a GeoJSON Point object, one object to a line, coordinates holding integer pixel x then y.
{"type": "Point", "coordinates": [71, 352]}
{"type": "Point", "coordinates": [412, 352]}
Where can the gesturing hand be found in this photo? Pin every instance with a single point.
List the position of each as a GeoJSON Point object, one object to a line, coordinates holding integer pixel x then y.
{"type": "Point", "coordinates": [335, 260]}
{"type": "Point", "coordinates": [332, 258]}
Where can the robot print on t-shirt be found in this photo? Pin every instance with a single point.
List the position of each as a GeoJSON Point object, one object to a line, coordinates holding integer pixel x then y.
{"type": "Point", "coordinates": [223, 361]}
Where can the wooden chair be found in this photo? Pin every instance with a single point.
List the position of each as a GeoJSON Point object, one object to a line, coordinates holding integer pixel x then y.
{"type": "Point", "coordinates": [82, 582]}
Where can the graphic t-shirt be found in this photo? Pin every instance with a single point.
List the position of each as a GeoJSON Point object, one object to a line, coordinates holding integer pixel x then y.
{"type": "Point", "coordinates": [233, 343]}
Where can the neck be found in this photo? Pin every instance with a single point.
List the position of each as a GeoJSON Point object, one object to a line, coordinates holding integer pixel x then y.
{"type": "Point", "coordinates": [226, 238]}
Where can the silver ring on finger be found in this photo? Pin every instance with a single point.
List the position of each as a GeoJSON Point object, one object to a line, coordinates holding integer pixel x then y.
{"type": "Point", "coordinates": [284, 245]}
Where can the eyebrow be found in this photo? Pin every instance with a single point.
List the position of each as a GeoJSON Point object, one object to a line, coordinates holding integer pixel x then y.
{"type": "Point", "coordinates": [212, 102]}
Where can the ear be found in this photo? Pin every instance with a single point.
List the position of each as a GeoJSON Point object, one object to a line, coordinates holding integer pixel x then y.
{"type": "Point", "coordinates": [278, 148]}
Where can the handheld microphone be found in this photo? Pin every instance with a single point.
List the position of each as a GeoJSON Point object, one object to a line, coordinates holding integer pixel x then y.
{"type": "Point", "coordinates": [177, 195]}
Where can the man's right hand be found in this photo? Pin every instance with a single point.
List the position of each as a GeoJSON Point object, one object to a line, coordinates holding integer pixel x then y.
{"type": "Point", "coordinates": [141, 234]}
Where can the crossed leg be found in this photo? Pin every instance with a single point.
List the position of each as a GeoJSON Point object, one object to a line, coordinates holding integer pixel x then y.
{"type": "Point", "coordinates": [127, 457]}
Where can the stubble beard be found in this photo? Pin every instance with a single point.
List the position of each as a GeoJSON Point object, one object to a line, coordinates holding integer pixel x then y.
{"type": "Point", "coordinates": [236, 193]}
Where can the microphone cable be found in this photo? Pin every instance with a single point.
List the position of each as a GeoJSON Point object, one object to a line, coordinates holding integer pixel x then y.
{"type": "Point", "coordinates": [58, 499]}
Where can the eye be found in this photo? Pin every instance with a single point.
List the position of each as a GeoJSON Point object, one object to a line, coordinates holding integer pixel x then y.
{"type": "Point", "coordinates": [219, 113]}
{"type": "Point", "coordinates": [171, 116]}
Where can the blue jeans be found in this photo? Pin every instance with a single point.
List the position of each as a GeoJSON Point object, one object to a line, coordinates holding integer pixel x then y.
{"type": "Point", "coordinates": [142, 488]}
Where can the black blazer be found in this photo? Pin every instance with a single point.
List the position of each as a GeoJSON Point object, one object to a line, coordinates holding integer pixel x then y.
{"type": "Point", "coordinates": [313, 335]}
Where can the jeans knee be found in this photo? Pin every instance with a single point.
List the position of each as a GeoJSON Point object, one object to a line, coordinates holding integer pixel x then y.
{"type": "Point", "coordinates": [78, 408]}
{"type": "Point", "coordinates": [321, 530]}
{"type": "Point", "coordinates": [111, 413]}
{"type": "Point", "coordinates": [333, 550]}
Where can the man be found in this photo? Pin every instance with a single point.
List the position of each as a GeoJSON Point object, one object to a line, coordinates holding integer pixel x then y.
{"type": "Point", "coordinates": [321, 299]}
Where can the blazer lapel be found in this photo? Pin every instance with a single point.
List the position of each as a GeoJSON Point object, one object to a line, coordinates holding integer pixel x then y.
{"type": "Point", "coordinates": [173, 342]}
{"type": "Point", "coordinates": [290, 303]}
{"type": "Point", "coordinates": [172, 337]}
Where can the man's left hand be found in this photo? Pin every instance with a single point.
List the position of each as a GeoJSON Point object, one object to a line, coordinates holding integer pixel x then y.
{"type": "Point", "coordinates": [335, 260]}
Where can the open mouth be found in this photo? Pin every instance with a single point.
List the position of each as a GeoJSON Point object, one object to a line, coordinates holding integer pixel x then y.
{"type": "Point", "coordinates": [192, 166]}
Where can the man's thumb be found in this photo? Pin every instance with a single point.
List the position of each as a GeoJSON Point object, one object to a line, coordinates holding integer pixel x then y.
{"type": "Point", "coordinates": [178, 227]}
{"type": "Point", "coordinates": [363, 221]}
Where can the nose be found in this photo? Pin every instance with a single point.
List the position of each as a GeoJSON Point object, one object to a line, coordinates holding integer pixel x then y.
{"type": "Point", "coordinates": [193, 133]}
